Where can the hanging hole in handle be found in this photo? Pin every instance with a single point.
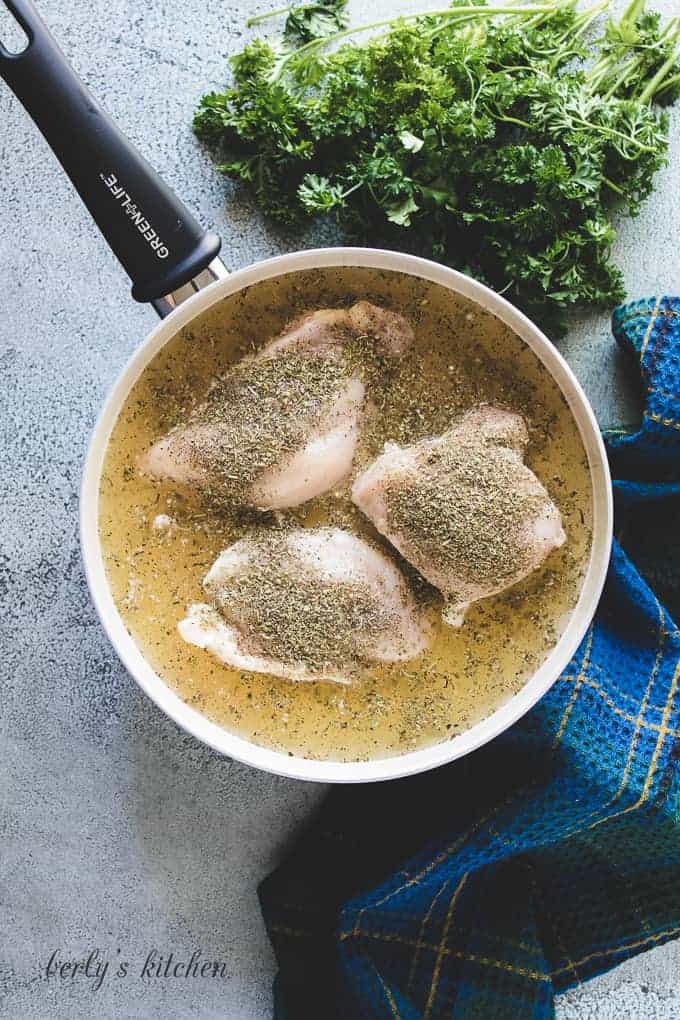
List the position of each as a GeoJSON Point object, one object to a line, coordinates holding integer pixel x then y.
{"type": "Point", "coordinates": [13, 39]}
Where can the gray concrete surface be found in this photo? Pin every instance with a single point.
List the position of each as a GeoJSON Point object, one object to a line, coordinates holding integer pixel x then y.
{"type": "Point", "coordinates": [119, 832]}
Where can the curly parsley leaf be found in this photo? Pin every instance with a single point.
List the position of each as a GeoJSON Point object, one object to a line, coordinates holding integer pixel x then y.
{"type": "Point", "coordinates": [315, 21]}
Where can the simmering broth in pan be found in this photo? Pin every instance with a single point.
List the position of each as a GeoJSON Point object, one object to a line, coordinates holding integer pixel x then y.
{"type": "Point", "coordinates": [159, 545]}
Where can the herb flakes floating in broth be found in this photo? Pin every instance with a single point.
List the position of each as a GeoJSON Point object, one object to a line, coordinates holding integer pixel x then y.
{"type": "Point", "coordinates": [461, 356]}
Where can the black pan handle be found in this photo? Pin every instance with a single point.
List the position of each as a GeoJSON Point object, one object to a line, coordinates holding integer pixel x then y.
{"type": "Point", "coordinates": [159, 243]}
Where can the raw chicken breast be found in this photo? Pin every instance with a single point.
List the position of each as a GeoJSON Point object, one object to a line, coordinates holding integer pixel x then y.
{"type": "Point", "coordinates": [282, 426]}
{"type": "Point", "coordinates": [463, 508]}
{"type": "Point", "coordinates": [327, 328]}
{"type": "Point", "coordinates": [307, 604]}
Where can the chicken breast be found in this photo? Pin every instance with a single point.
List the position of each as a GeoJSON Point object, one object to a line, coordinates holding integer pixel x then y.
{"type": "Point", "coordinates": [282, 426]}
{"type": "Point", "coordinates": [463, 508]}
{"type": "Point", "coordinates": [307, 604]}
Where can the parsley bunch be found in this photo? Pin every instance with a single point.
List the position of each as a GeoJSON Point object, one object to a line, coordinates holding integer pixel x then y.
{"type": "Point", "coordinates": [494, 139]}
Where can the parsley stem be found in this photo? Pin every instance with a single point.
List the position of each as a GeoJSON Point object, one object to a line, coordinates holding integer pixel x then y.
{"type": "Point", "coordinates": [652, 86]}
{"type": "Point", "coordinates": [257, 18]}
{"type": "Point", "coordinates": [617, 134]}
{"type": "Point", "coordinates": [614, 187]}
{"type": "Point", "coordinates": [633, 11]}
{"type": "Point", "coordinates": [632, 65]}
{"type": "Point", "coordinates": [448, 12]}
{"type": "Point", "coordinates": [586, 22]}
{"type": "Point", "coordinates": [672, 25]}
{"type": "Point", "coordinates": [355, 187]}
{"type": "Point", "coordinates": [513, 120]}
{"type": "Point", "coordinates": [668, 84]}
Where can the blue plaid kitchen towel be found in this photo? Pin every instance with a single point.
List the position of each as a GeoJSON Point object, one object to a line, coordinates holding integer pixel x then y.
{"type": "Point", "coordinates": [482, 889]}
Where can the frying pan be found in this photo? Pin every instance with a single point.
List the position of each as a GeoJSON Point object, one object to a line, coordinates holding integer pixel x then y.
{"type": "Point", "coordinates": [173, 264]}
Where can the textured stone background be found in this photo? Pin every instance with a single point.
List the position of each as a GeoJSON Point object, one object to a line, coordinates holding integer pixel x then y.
{"type": "Point", "coordinates": [117, 829]}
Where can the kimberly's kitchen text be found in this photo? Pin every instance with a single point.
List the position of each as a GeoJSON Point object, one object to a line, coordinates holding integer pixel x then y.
{"type": "Point", "coordinates": [97, 967]}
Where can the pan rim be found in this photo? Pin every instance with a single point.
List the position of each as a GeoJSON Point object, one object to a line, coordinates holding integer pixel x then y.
{"type": "Point", "coordinates": [411, 762]}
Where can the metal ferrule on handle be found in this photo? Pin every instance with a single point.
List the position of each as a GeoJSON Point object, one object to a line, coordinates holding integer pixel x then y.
{"type": "Point", "coordinates": [159, 243]}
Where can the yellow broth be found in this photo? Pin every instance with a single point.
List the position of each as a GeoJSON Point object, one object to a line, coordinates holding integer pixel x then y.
{"type": "Point", "coordinates": [462, 356]}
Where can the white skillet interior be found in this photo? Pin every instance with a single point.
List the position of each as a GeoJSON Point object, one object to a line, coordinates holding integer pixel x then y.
{"type": "Point", "coordinates": [382, 768]}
